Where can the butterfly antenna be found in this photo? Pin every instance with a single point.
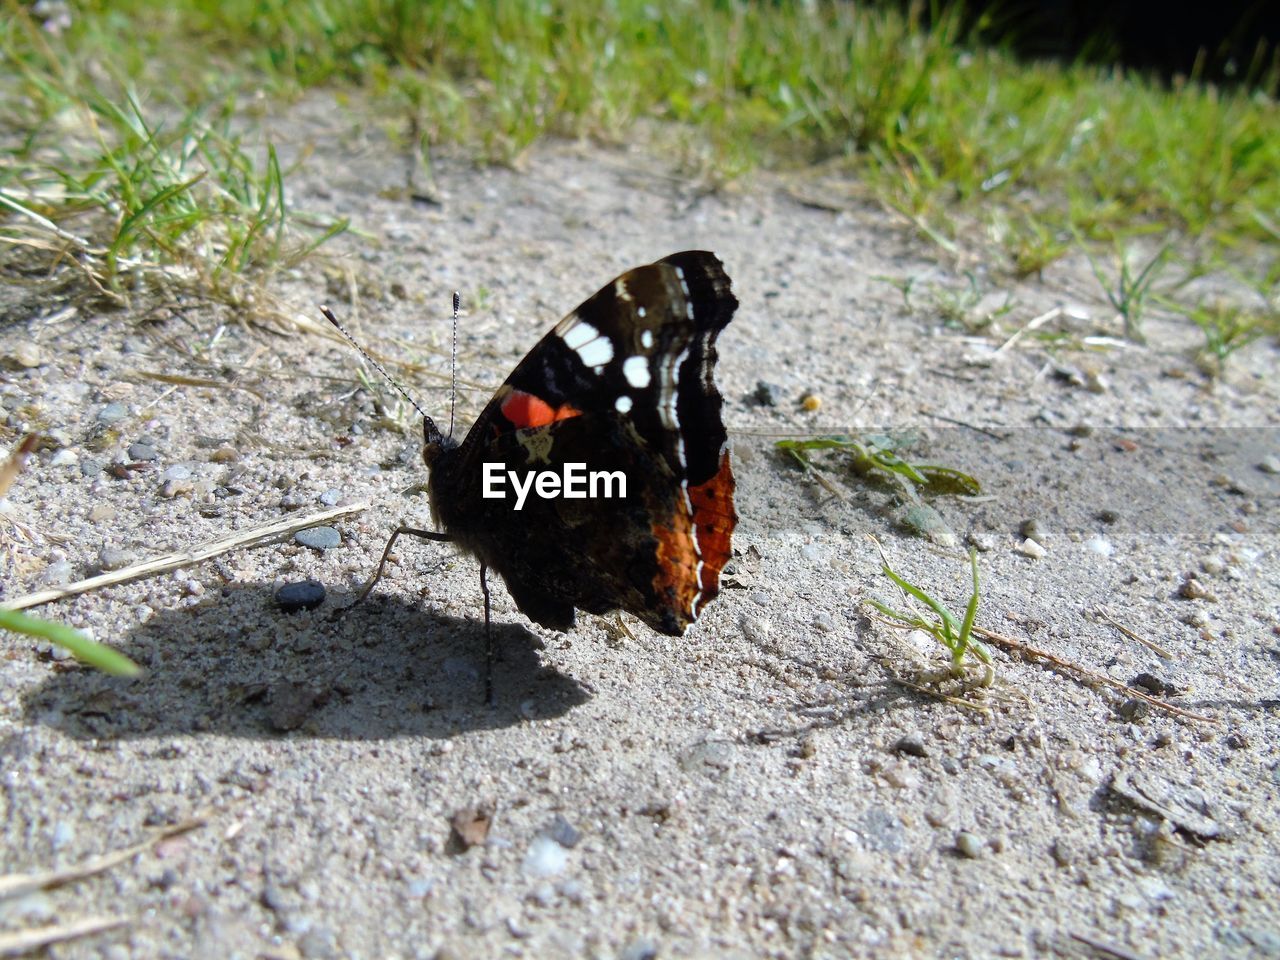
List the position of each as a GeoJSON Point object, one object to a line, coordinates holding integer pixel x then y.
{"type": "Point", "coordinates": [453, 362]}
{"type": "Point", "coordinates": [328, 315]}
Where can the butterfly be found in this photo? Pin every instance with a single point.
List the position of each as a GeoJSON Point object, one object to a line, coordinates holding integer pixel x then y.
{"type": "Point", "coordinates": [622, 391]}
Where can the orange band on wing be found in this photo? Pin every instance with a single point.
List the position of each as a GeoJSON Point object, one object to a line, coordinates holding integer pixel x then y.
{"type": "Point", "coordinates": [693, 549]}
{"type": "Point", "coordinates": [525, 410]}
{"type": "Point", "coordinates": [713, 521]}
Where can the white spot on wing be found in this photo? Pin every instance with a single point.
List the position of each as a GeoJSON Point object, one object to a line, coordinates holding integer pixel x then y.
{"type": "Point", "coordinates": [646, 336]}
{"type": "Point", "coordinates": [597, 352]}
{"type": "Point", "coordinates": [640, 312]}
{"type": "Point", "coordinates": [578, 334]}
{"type": "Point", "coordinates": [622, 404]}
{"type": "Point", "coordinates": [636, 370]}
{"type": "Point", "coordinates": [684, 285]}
{"type": "Point", "coordinates": [620, 290]}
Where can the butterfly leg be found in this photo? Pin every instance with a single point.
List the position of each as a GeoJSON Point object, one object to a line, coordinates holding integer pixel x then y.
{"type": "Point", "coordinates": [488, 638]}
{"type": "Point", "coordinates": [377, 574]}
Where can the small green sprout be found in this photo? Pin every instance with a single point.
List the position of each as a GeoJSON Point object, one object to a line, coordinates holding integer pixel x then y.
{"type": "Point", "coordinates": [874, 453]}
{"type": "Point", "coordinates": [953, 634]}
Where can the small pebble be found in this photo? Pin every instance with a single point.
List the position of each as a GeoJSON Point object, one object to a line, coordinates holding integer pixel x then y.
{"type": "Point", "coordinates": [90, 468]}
{"type": "Point", "coordinates": [224, 455]}
{"type": "Point", "coordinates": [304, 595]}
{"type": "Point", "coordinates": [63, 458]}
{"type": "Point", "coordinates": [112, 413]}
{"type": "Point", "coordinates": [114, 558]}
{"type": "Point", "coordinates": [1030, 529]}
{"type": "Point", "coordinates": [982, 542]}
{"type": "Point", "coordinates": [57, 573]}
{"type": "Point", "coordinates": [764, 395]}
{"type": "Point", "coordinates": [28, 355]}
{"type": "Point", "coordinates": [1133, 709]}
{"type": "Point", "coordinates": [1108, 516]}
{"type": "Point", "coordinates": [1100, 545]}
{"type": "Point", "coordinates": [545, 858]}
{"type": "Point", "coordinates": [1270, 464]}
{"type": "Point", "coordinates": [319, 538]}
{"type": "Point", "coordinates": [1029, 548]}
{"type": "Point", "coordinates": [968, 845]}
{"type": "Point", "coordinates": [1153, 685]}
{"type": "Point", "coordinates": [810, 403]}
{"type": "Point", "coordinates": [639, 950]}
{"type": "Point", "coordinates": [173, 488]}
{"type": "Point", "coordinates": [756, 629]}
{"type": "Point", "coordinates": [331, 497]}
{"type": "Point", "coordinates": [101, 512]}
{"type": "Point", "coordinates": [142, 452]}
{"type": "Point", "coordinates": [563, 832]}
{"type": "Point", "coordinates": [1212, 566]}
{"type": "Point", "coordinates": [924, 521]}
{"type": "Point", "coordinates": [179, 471]}
{"type": "Point", "coordinates": [1193, 589]}
{"type": "Point", "coordinates": [824, 622]}
{"type": "Point", "coordinates": [911, 745]}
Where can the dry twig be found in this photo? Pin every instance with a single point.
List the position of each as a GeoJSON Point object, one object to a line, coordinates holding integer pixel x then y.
{"type": "Point", "coordinates": [183, 558]}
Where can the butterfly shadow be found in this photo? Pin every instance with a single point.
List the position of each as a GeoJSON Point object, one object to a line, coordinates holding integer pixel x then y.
{"type": "Point", "coordinates": [236, 665]}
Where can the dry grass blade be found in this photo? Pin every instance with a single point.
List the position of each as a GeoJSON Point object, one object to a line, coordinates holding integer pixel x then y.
{"type": "Point", "coordinates": [1106, 949]}
{"type": "Point", "coordinates": [20, 942]}
{"type": "Point", "coordinates": [183, 558]}
{"type": "Point", "coordinates": [20, 884]}
{"type": "Point", "coordinates": [1133, 636]}
{"type": "Point", "coordinates": [1035, 653]}
{"type": "Point", "coordinates": [1031, 326]}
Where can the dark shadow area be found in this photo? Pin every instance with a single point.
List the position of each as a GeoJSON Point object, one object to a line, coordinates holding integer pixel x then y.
{"type": "Point", "coordinates": [236, 665]}
{"type": "Point", "coordinates": [1233, 42]}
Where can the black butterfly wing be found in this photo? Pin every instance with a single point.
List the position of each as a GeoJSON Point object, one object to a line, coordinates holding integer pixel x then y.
{"type": "Point", "coordinates": [622, 385]}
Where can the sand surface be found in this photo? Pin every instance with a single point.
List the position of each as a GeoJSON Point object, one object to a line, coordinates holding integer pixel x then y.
{"type": "Point", "coordinates": [766, 786]}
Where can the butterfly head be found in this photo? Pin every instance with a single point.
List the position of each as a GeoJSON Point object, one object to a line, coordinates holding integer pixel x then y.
{"type": "Point", "coordinates": [434, 442]}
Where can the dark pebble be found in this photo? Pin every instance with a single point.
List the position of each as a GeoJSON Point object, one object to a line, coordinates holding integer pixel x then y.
{"type": "Point", "coordinates": [1135, 709]}
{"type": "Point", "coordinates": [142, 451]}
{"type": "Point", "coordinates": [304, 595]}
{"type": "Point", "coordinates": [1153, 685]}
{"type": "Point", "coordinates": [90, 468]}
{"type": "Point", "coordinates": [911, 745]}
{"type": "Point", "coordinates": [319, 538]}
{"type": "Point", "coordinates": [563, 832]}
{"type": "Point", "coordinates": [765, 394]}
{"type": "Point", "coordinates": [1108, 516]}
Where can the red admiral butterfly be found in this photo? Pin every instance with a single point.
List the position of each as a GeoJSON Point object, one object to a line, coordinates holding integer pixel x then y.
{"type": "Point", "coordinates": [623, 384]}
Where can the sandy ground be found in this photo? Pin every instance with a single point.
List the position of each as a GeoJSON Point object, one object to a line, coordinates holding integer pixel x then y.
{"type": "Point", "coordinates": [765, 786]}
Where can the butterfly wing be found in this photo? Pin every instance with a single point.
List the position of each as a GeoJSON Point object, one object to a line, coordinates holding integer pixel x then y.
{"type": "Point", "coordinates": [622, 385]}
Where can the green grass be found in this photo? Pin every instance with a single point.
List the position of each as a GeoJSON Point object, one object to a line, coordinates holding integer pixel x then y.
{"type": "Point", "coordinates": [875, 454]}
{"type": "Point", "coordinates": [133, 195]}
{"type": "Point", "coordinates": [85, 650]}
{"type": "Point", "coordinates": [944, 130]}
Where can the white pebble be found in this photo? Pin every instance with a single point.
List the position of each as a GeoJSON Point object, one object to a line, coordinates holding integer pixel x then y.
{"type": "Point", "coordinates": [1029, 548]}
{"type": "Point", "coordinates": [1100, 545]}
{"type": "Point", "coordinates": [545, 858]}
